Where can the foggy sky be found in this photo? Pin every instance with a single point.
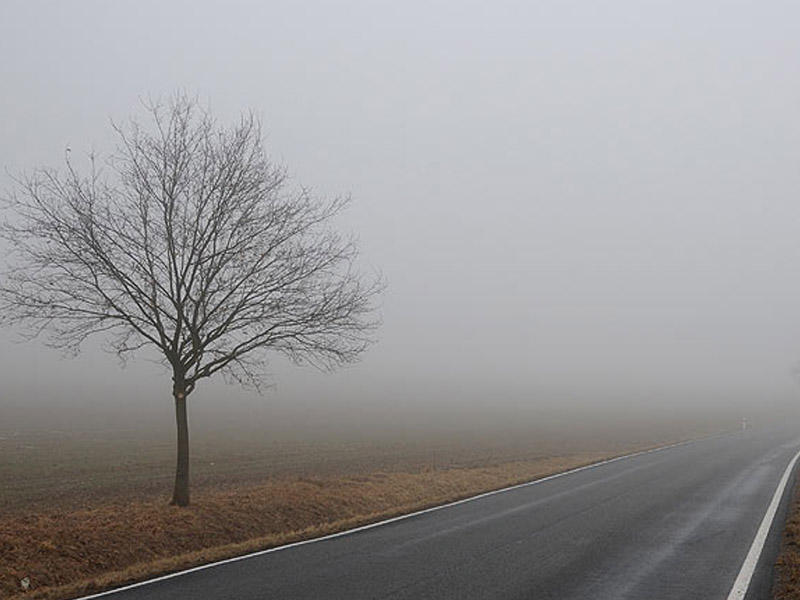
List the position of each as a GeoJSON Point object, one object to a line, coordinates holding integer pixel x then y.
{"type": "Point", "coordinates": [572, 202]}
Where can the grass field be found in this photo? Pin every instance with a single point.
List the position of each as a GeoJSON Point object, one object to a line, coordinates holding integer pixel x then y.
{"type": "Point", "coordinates": [44, 469]}
{"type": "Point", "coordinates": [82, 511]}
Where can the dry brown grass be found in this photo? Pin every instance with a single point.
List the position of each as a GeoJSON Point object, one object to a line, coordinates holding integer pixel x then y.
{"type": "Point", "coordinates": [43, 470]}
{"type": "Point", "coordinates": [787, 567]}
{"type": "Point", "coordinates": [69, 552]}
{"type": "Point", "coordinates": [80, 512]}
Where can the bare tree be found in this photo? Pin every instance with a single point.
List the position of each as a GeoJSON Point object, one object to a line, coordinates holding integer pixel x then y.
{"type": "Point", "coordinates": [188, 241]}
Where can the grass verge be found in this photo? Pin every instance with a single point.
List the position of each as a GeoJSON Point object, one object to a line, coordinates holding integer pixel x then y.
{"type": "Point", "coordinates": [786, 584]}
{"type": "Point", "coordinates": [68, 553]}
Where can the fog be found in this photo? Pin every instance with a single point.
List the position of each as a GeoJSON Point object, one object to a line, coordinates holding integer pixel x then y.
{"type": "Point", "coordinates": [579, 207]}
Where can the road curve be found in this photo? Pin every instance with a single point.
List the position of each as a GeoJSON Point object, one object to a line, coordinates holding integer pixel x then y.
{"type": "Point", "coordinates": [671, 524]}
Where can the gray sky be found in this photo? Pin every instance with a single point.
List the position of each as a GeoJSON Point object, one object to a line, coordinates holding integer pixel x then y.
{"type": "Point", "coordinates": [572, 202]}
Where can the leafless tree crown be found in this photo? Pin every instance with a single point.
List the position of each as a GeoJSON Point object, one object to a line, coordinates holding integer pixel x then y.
{"type": "Point", "coordinates": [189, 240]}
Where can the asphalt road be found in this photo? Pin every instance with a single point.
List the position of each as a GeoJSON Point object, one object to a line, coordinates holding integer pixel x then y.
{"type": "Point", "coordinates": [671, 524]}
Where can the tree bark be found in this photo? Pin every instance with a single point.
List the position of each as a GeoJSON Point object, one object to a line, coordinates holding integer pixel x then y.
{"type": "Point", "coordinates": [180, 494]}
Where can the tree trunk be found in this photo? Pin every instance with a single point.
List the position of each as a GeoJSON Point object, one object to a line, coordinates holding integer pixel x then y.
{"type": "Point", "coordinates": [180, 495]}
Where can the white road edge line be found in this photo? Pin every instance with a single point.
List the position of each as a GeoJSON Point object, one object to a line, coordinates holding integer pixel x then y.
{"type": "Point", "coordinates": [393, 519]}
{"type": "Point", "coordinates": [742, 583]}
